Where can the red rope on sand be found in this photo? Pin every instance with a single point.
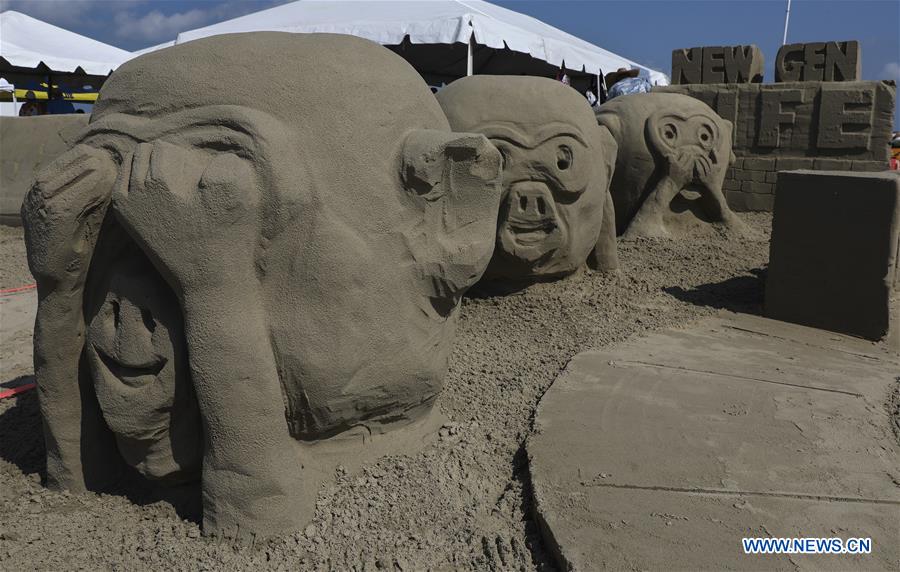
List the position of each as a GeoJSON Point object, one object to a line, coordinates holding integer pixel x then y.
{"type": "Point", "coordinates": [17, 390]}
{"type": "Point", "coordinates": [5, 291]}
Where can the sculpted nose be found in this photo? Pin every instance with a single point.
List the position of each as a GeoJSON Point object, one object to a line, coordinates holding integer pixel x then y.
{"type": "Point", "coordinates": [134, 334]}
{"type": "Point", "coordinates": [530, 203]}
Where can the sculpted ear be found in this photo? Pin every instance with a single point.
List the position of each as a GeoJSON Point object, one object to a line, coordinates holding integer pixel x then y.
{"type": "Point", "coordinates": [604, 256]}
{"type": "Point", "coordinates": [728, 129]}
{"type": "Point", "coordinates": [454, 178]}
{"type": "Point", "coordinates": [610, 152]}
{"type": "Point", "coordinates": [608, 119]}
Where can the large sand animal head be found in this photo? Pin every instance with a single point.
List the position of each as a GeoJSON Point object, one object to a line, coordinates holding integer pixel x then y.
{"type": "Point", "coordinates": [557, 166]}
{"type": "Point", "coordinates": [655, 128]}
{"type": "Point", "coordinates": [328, 160]}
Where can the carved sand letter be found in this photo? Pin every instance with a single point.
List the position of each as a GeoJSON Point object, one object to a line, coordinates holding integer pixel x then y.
{"type": "Point", "coordinates": [717, 64]}
{"type": "Point", "coordinates": [775, 115]}
{"type": "Point", "coordinates": [258, 285]}
{"type": "Point", "coordinates": [842, 61]}
{"type": "Point", "coordinates": [714, 64]}
{"type": "Point", "coordinates": [789, 63]}
{"type": "Point", "coordinates": [819, 61]}
{"type": "Point", "coordinates": [687, 65]}
{"type": "Point", "coordinates": [846, 117]}
{"type": "Point", "coordinates": [743, 64]}
{"type": "Point", "coordinates": [557, 165]}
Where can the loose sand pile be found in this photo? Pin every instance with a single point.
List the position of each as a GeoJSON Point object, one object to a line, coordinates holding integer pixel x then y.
{"type": "Point", "coordinates": [462, 503]}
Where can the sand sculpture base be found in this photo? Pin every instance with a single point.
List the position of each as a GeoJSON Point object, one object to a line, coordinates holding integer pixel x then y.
{"type": "Point", "coordinates": [663, 453]}
{"type": "Point", "coordinates": [835, 253]}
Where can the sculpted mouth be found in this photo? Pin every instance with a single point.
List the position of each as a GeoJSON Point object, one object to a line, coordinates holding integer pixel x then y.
{"type": "Point", "coordinates": [131, 375]}
{"type": "Point", "coordinates": [529, 232]}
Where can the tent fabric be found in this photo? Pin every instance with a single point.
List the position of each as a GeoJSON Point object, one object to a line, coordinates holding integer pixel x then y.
{"type": "Point", "coordinates": [431, 22]}
{"type": "Point", "coordinates": [28, 42]}
{"type": "Point", "coordinates": [168, 44]}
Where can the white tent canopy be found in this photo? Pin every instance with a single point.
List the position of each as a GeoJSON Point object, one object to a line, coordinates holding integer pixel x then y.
{"type": "Point", "coordinates": [147, 50]}
{"type": "Point", "coordinates": [431, 22]}
{"type": "Point", "coordinates": [28, 42]}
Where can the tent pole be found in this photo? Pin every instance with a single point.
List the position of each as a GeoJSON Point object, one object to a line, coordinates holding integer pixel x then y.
{"type": "Point", "coordinates": [787, 17]}
{"type": "Point", "coordinates": [470, 58]}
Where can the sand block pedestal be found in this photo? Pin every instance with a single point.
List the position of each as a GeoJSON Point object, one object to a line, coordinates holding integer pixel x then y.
{"type": "Point", "coordinates": [834, 253]}
{"type": "Point", "coordinates": [662, 454]}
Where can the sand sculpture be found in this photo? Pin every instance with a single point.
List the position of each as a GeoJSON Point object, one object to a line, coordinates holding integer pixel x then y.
{"type": "Point", "coordinates": [818, 125]}
{"type": "Point", "coordinates": [717, 64]}
{"type": "Point", "coordinates": [834, 258]}
{"type": "Point", "coordinates": [557, 165]}
{"type": "Point", "coordinates": [27, 145]}
{"type": "Point", "coordinates": [819, 61]}
{"type": "Point", "coordinates": [674, 152]}
{"type": "Point", "coordinates": [249, 285]}
{"type": "Point", "coordinates": [817, 115]}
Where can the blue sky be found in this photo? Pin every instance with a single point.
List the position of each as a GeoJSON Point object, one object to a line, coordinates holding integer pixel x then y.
{"type": "Point", "coordinates": [643, 30]}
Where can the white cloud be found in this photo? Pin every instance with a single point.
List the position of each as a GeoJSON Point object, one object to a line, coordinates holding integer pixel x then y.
{"type": "Point", "coordinates": [65, 13]}
{"type": "Point", "coordinates": [155, 25]}
{"type": "Point", "coordinates": [891, 71]}
{"type": "Point", "coordinates": [136, 22]}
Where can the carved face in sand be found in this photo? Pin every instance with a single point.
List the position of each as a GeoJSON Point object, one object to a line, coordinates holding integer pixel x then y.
{"type": "Point", "coordinates": [137, 356]}
{"type": "Point", "coordinates": [557, 165]}
{"type": "Point", "coordinates": [694, 135]}
{"type": "Point", "coordinates": [292, 257]}
{"type": "Point", "coordinates": [545, 172]}
{"type": "Point", "coordinates": [674, 137]}
{"type": "Point", "coordinates": [362, 232]}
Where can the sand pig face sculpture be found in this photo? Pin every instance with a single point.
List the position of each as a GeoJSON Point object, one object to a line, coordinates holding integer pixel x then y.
{"type": "Point", "coordinates": [317, 250]}
{"type": "Point", "coordinates": [674, 152]}
{"type": "Point", "coordinates": [557, 165]}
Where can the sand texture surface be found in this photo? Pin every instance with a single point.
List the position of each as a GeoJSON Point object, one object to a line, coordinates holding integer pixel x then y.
{"type": "Point", "coordinates": [737, 426]}
{"type": "Point", "coordinates": [462, 503]}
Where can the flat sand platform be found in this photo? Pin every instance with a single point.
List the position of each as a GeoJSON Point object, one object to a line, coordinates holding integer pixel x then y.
{"type": "Point", "coordinates": [663, 452]}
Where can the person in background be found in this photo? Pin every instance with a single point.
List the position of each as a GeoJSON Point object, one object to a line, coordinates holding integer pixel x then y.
{"type": "Point", "coordinates": [624, 82]}
{"type": "Point", "coordinates": [58, 106]}
{"type": "Point", "coordinates": [31, 108]}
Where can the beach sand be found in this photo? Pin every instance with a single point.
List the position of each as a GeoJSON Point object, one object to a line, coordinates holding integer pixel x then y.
{"type": "Point", "coordinates": [462, 503]}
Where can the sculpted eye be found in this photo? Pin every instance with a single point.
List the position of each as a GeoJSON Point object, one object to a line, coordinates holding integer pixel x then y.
{"type": "Point", "coordinates": [564, 157]}
{"type": "Point", "coordinates": [706, 135]}
{"type": "Point", "coordinates": [670, 132]}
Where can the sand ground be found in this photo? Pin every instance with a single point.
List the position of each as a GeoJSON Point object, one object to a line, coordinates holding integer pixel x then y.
{"type": "Point", "coordinates": [462, 503]}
